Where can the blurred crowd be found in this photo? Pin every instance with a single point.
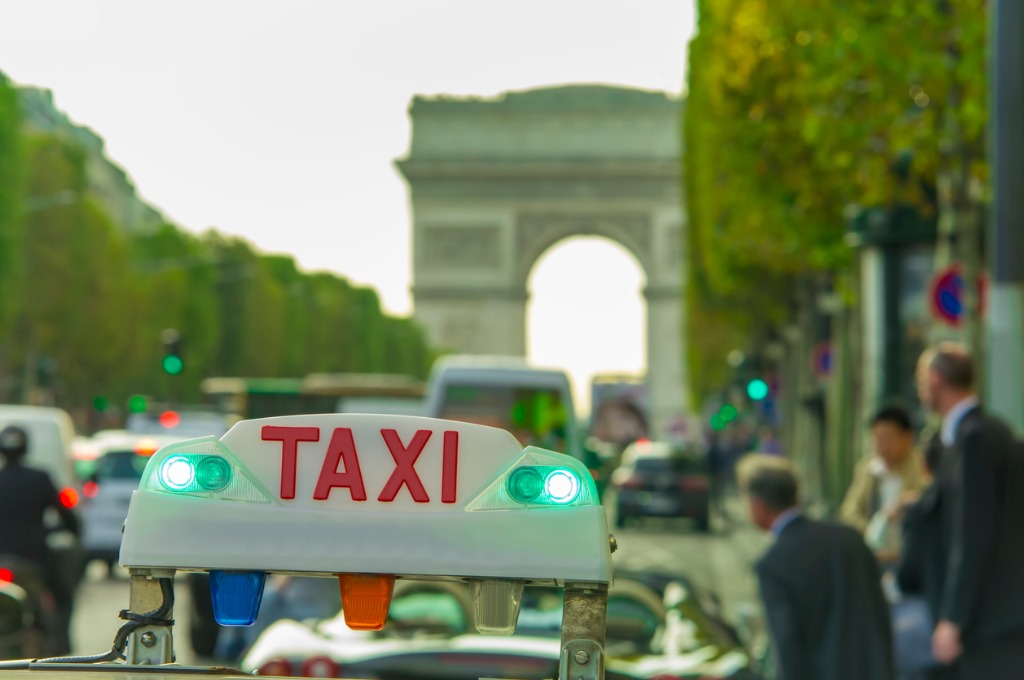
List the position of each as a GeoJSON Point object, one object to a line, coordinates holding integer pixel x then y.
{"type": "Point", "coordinates": [921, 578]}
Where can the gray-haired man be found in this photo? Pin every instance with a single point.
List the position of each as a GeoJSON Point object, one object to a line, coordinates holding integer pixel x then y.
{"type": "Point", "coordinates": [820, 585]}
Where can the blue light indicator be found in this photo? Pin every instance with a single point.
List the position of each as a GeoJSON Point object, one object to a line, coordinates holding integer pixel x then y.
{"type": "Point", "coordinates": [236, 596]}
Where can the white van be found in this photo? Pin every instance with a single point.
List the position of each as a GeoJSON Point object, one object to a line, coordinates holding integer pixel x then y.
{"type": "Point", "coordinates": [534, 404]}
{"type": "Point", "coordinates": [50, 437]}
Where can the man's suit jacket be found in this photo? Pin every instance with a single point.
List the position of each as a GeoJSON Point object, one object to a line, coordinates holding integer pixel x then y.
{"type": "Point", "coordinates": [827, 615]}
{"type": "Point", "coordinates": [981, 481]}
{"type": "Point", "coordinates": [922, 567]}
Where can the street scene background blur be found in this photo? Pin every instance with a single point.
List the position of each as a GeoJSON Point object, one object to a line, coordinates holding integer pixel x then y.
{"type": "Point", "coordinates": [805, 202]}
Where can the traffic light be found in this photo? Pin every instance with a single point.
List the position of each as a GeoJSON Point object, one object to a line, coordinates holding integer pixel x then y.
{"type": "Point", "coordinates": [138, 403]}
{"type": "Point", "coordinates": [172, 363]}
{"type": "Point", "coordinates": [757, 389]}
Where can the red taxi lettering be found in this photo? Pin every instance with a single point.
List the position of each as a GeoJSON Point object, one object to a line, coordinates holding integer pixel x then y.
{"type": "Point", "coordinates": [449, 466]}
{"type": "Point", "coordinates": [405, 460]}
{"type": "Point", "coordinates": [289, 438]}
{"type": "Point", "coordinates": [341, 448]}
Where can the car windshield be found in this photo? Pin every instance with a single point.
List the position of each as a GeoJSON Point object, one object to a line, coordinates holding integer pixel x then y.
{"type": "Point", "coordinates": [535, 416]}
{"type": "Point", "coordinates": [120, 465]}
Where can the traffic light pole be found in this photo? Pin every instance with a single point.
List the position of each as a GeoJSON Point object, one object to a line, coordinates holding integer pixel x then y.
{"type": "Point", "coordinates": [1005, 358]}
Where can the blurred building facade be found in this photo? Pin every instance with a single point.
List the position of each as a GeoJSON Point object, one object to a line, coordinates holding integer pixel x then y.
{"type": "Point", "coordinates": [108, 182]}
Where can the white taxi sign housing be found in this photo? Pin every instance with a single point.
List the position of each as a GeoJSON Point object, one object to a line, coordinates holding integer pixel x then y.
{"type": "Point", "coordinates": [347, 493]}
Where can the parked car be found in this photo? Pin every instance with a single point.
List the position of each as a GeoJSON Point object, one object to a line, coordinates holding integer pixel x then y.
{"type": "Point", "coordinates": [661, 479]}
{"type": "Point", "coordinates": [430, 636]}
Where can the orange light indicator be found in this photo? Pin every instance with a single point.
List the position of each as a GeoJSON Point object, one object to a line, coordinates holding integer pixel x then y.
{"type": "Point", "coordinates": [365, 600]}
{"type": "Point", "coordinates": [68, 497]}
{"type": "Point", "coordinates": [147, 447]}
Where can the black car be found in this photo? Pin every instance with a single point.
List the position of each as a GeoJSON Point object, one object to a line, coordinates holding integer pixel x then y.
{"type": "Point", "coordinates": [659, 479]}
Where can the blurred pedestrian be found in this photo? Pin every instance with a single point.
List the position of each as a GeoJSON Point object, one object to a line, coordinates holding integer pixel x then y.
{"type": "Point", "coordinates": [920, 577]}
{"type": "Point", "coordinates": [884, 483]}
{"type": "Point", "coordinates": [717, 461]}
{"type": "Point", "coordinates": [980, 486]}
{"type": "Point", "coordinates": [25, 496]}
{"type": "Point", "coordinates": [821, 586]}
{"type": "Point", "coordinates": [768, 443]}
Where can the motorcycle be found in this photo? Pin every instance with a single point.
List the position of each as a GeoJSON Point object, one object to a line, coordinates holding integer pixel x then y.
{"type": "Point", "coordinates": [27, 608]}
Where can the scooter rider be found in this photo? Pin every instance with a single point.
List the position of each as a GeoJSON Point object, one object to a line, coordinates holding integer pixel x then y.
{"type": "Point", "coordinates": [25, 495]}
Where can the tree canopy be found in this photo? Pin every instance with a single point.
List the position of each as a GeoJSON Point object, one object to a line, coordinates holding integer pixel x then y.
{"type": "Point", "coordinates": [795, 112]}
{"type": "Point", "coordinates": [83, 301]}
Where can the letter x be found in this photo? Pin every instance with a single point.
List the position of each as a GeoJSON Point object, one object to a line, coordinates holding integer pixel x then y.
{"type": "Point", "coordinates": [405, 459]}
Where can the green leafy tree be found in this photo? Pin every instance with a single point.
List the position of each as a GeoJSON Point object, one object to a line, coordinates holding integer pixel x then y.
{"type": "Point", "coordinates": [83, 301]}
{"type": "Point", "coordinates": [11, 204]}
{"type": "Point", "coordinates": [795, 112]}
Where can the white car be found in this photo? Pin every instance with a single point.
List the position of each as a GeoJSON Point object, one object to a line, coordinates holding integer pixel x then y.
{"type": "Point", "coordinates": [429, 638]}
{"type": "Point", "coordinates": [116, 471]}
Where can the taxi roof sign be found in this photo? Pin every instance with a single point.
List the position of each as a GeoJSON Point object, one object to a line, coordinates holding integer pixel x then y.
{"type": "Point", "coordinates": [368, 494]}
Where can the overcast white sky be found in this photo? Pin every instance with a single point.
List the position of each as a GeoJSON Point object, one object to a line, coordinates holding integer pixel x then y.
{"type": "Point", "coordinates": [279, 121]}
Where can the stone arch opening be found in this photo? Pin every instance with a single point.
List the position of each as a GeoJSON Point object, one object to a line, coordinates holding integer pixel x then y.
{"type": "Point", "coordinates": [586, 312]}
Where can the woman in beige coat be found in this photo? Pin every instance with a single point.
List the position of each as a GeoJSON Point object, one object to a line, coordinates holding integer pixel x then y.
{"type": "Point", "coordinates": [885, 483]}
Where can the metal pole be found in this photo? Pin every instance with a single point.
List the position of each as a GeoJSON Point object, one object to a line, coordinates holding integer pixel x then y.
{"type": "Point", "coordinates": [584, 614]}
{"type": "Point", "coordinates": [1005, 365]}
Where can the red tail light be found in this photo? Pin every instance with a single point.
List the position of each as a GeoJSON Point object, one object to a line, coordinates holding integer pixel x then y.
{"type": "Point", "coordinates": [693, 483]}
{"type": "Point", "coordinates": [320, 667]}
{"type": "Point", "coordinates": [6, 575]}
{"type": "Point", "coordinates": [277, 667]}
{"type": "Point", "coordinates": [90, 489]}
{"type": "Point", "coordinates": [68, 497]}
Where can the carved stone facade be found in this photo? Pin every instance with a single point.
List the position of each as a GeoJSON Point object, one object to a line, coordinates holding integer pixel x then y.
{"type": "Point", "coordinates": [497, 182]}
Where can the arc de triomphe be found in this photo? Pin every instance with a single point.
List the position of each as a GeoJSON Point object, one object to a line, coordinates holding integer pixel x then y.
{"type": "Point", "coordinates": [496, 182]}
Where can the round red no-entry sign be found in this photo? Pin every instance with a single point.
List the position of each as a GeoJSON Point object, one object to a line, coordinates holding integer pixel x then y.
{"type": "Point", "coordinates": [946, 295]}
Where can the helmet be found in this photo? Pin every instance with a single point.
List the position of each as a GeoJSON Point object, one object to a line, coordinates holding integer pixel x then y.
{"type": "Point", "coordinates": [13, 442]}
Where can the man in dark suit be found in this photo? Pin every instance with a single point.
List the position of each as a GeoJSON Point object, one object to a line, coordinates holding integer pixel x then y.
{"type": "Point", "coordinates": [980, 482]}
{"type": "Point", "coordinates": [820, 584]}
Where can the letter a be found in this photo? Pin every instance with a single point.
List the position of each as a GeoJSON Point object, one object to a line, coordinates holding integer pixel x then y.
{"type": "Point", "coordinates": [341, 448]}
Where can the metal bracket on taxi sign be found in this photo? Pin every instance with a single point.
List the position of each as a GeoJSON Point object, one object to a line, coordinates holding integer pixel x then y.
{"type": "Point", "coordinates": [584, 613]}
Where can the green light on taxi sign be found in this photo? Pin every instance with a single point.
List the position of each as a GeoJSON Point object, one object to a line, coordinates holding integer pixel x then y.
{"type": "Point", "coordinates": [213, 473]}
{"type": "Point", "coordinates": [544, 485]}
{"type": "Point", "coordinates": [195, 473]}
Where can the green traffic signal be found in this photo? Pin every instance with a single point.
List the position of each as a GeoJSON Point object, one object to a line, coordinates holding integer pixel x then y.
{"type": "Point", "coordinates": [757, 389]}
{"type": "Point", "coordinates": [728, 413]}
{"type": "Point", "coordinates": [172, 364]}
{"type": "Point", "coordinates": [137, 404]}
